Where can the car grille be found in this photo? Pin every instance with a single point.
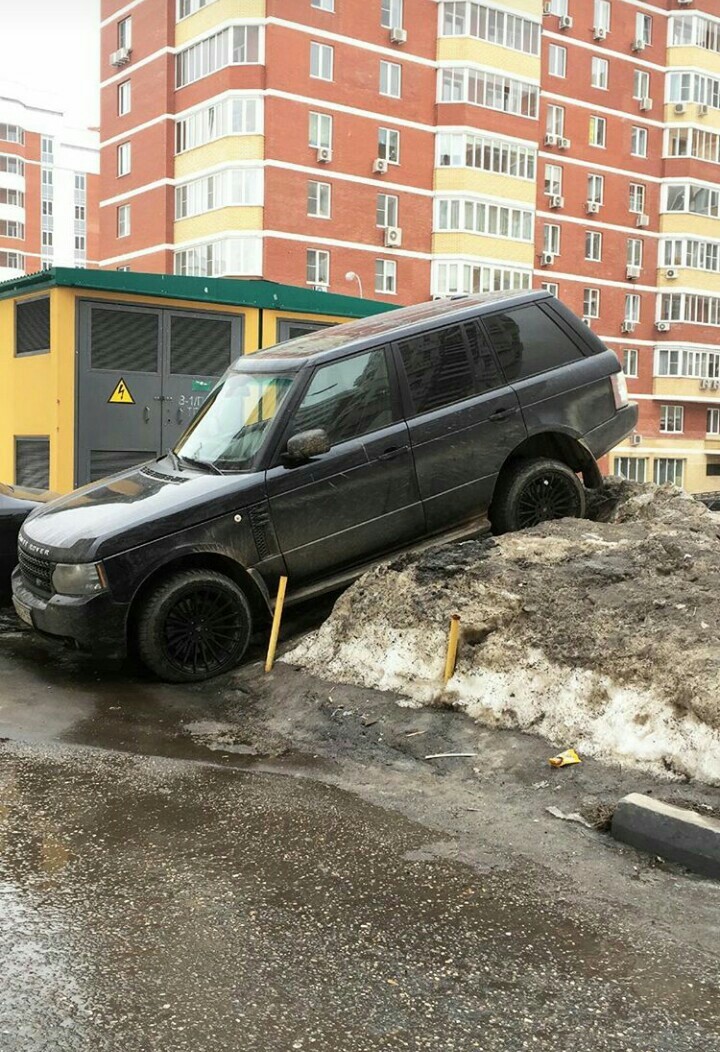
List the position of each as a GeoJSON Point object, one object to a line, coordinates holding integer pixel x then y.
{"type": "Point", "coordinates": [36, 572]}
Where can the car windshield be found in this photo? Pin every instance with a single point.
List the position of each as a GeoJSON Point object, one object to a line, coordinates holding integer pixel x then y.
{"type": "Point", "coordinates": [230, 429]}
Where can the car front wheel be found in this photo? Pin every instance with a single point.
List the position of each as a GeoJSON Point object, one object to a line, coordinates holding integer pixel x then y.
{"type": "Point", "coordinates": [535, 491]}
{"type": "Point", "coordinates": [194, 625]}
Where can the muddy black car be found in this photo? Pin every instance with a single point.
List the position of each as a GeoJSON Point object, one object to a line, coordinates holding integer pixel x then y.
{"type": "Point", "coordinates": [315, 459]}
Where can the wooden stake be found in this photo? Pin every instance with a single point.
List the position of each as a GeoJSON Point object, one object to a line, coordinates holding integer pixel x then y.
{"type": "Point", "coordinates": [277, 618]}
{"type": "Point", "coordinates": [451, 657]}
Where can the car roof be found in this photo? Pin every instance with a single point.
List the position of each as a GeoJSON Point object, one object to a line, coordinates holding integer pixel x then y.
{"type": "Point", "coordinates": [339, 339]}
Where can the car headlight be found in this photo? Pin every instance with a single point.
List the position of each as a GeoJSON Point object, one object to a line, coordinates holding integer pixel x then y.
{"type": "Point", "coordinates": [79, 578]}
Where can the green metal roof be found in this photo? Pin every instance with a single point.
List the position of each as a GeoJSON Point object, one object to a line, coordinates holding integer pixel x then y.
{"type": "Point", "coordinates": [229, 291]}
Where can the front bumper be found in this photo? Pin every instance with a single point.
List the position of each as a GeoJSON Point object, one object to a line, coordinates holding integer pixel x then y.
{"type": "Point", "coordinates": [94, 623]}
{"type": "Point", "coordinates": [611, 433]}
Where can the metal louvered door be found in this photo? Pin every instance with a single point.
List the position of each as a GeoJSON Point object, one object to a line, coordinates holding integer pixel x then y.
{"type": "Point", "coordinates": [198, 349]}
{"type": "Point", "coordinates": [119, 409]}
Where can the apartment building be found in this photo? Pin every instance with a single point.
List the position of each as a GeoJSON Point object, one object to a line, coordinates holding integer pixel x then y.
{"type": "Point", "coordinates": [404, 149]}
{"type": "Point", "coordinates": [49, 187]}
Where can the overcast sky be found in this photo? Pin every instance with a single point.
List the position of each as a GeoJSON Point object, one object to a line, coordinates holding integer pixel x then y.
{"type": "Point", "coordinates": [54, 45]}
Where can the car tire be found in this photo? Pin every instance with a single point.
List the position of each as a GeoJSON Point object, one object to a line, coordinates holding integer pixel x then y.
{"type": "Point", "coordinates": [534, 491]}
{"type": "Point", "coordinates": [193, 626]}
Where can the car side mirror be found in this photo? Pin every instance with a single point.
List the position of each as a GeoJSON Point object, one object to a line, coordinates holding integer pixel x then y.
{"type": "Point", "coordinates": [306, 445]}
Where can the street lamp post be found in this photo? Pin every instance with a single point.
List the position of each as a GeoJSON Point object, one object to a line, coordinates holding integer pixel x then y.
{"type": "Point", "coordinates": [352, 276]}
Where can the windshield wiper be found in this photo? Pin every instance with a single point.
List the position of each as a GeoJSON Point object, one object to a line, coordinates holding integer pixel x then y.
{"type": "Point", "coordinates": [204, 465]}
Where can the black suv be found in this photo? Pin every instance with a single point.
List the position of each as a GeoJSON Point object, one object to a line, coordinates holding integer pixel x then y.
{"type": "Point", "coordinates": [315, 459]}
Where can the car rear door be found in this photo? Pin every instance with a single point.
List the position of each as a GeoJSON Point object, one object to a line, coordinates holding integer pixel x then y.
{"type": "Point", "coordinates": [464, 420]}
{"type": "Point", "coordinates": [360, 499]}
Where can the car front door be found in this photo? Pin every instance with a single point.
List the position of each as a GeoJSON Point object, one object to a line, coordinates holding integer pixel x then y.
{"type": "Point", "coordinates": [464, 420]}
{"type": "Point", "coordinates": [361, 498]}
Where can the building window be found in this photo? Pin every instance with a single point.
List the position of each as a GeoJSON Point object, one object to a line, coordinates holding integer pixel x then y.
{"type": "Point", "coordinates": [189, 7]}
{"type": "Point", "coordinates": [494, 91]}
{"type": "Point", "coordinates": [713, 421]}
{"type": "Point", "coordinates": [12, 165]}
{"type": "Point", "coordinates": [236, 256]}
{"type": "Point", "coordinates": [480, 217]}
{"type": "Point", "coordinates": [591, 303]}
{"type": "Point", "coordinates": [458, 277]}
{"type": "Point", "coordinates": [234, 46]}
{"type": "Point", "coordinates": [321, 61]}
{"type": "Point", "coordinates": [10, 228]}
{"type": "Point", "coordinates": [323, 5]}
{"type": "Point", "coordinates": [553, 180]}
{"type": "Point", "coordinates": [123, 221]}
{"type": "Point", "coordinates": [461, 150]}
{"type": "Point", "coordinates": [124, 33]}
{"type": "Point", "coordinates": [638, 142]}
{"type": "Point", "coordinates": [559, 7]}
{"type": "Point", "coordinates": [671, 419]}
{"type": "Point", "coordinates": [637, 198]}
{"type": "Point", "coordinates": [668, 471]}
{"type": "Point", "coordinates": [551, 238]}
{"type": "Point", "coordinates": [634, 252]}
{"type": "Point", "coordinates": [598, 131]}
{"type": "Point", "coordinates": [643, 28]}
{"type": "Point", "coordinates": [386, 276]}
{"type": "Point", "coordinates": [390, 79]}
{"type": "Point", "coordinates": [633, 469]}
{"type": "Point", "coordinates": [123, 159]}
{"type": "Point", "coordinates": [557, 60]}
{"type": "Point", "coordinates": [233, 116]}
{"type": "Point", "coordinates": [641, 84]}
{"type": "Point", "coordinates": [599, 73]}
{"type": "Point", "coordinates": [596, 188]}
{"type": "Point", "coordinates": [632, 308]}
{"type": "Point", "coordinates": [391, 14]}
{"type": "Point", "coordinates": [12, 133]}
{"type": "Point", "coordinates": [231, 187]}
{"type": "Point", "coordinates": [630, 362]}
{"type": "Point", "coordinates": [386, 212]}
{"type": "Point", "coordinates": [12, 260]}
{"type": "Point", "coordinates": [320, 133]}
{"type": "Point", "coordinates": [319, 196]}
{"type": "Point", "coordinates": [550, 286]}
{"type": "Point", "coordinates": [555, 121]}
{"type": "Point", "coordinates": [124, 98]}
{"type": "Point", "coordinates": [505, 28]}
{"type": "Point", "coordinates": [47, 149]}
{"type": "Point", "coordinates": [317, 267]}
{"type": "Point", "coordinates": [690, 197]}
{"type": "Point", "coordinates": [389, 145]}
{"type": "Point", "coordinates": [601, 17]}
{"type": "Point", "coordinates": [593, 246]}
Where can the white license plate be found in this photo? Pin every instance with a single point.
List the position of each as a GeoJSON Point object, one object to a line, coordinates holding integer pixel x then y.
{"type": "Point", "coordinates": [22, 611]}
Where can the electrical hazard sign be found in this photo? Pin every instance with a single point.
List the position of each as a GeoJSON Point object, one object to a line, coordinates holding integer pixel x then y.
{"type": "Point", "coordinates": [121, 395]}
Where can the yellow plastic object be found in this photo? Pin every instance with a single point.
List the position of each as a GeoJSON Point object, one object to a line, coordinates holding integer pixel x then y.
{"type": "Point", "coordinates": [451, 656]}
{"type": "Point", "coordinates": [277, 618]}
{"type": "Point", "coordinates": [564, 759]}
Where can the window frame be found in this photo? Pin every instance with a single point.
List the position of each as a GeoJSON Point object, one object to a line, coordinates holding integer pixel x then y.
{"type": "Point", "coordinates": [389, 274]}
{"type": "Point", "coordinates": [677, 412]}
{"type": "Point", "coordinates": [322, 59]}
{"type": "Point", "coordinates": [597, 131]}
{"type": "Point", "coordinates": [638, 137]}
{"type": "Point", "coordinates": [390, 70]}
{"type": "Point", "coordinates": [599, 63]}
{"type": "Point", "coordinates": [124, 221]}
{"type": "Point", "coordinates": [554, 51]}
{"type": "Point", "coordinates": [595, 239]}
{"type": "Point", "coordinates": [386, 146]}
{"type": "Point", "coordinates": [321, 187]}
{"type": "Point", "coordinates": [124, 151]}
{"type": "Point", "coordinates": [631, 355]}
{"type": "Point", "coordinates": [318, 252]}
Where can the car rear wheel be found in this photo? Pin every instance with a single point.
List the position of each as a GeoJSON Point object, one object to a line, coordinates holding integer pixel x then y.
{"type": "Point", "coordinates": [194, 625]}
{"type": "Point", "coordinates": [536, 491]}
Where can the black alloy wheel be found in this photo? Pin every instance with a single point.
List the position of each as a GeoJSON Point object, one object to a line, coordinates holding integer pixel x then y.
{"type": "Point", "coordinates": [535, 491]}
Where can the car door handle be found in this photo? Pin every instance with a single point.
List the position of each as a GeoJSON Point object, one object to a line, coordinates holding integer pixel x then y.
{"type": "Point", "coordinates": [392, 452]}
{"type": "Point", "coordinates": [502, 414]}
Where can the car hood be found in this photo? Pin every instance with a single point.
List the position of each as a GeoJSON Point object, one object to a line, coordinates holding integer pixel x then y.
{"type": "Point", "coordinates": [133, 508]}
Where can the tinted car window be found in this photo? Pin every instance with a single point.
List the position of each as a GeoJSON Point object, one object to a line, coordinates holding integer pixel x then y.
{"type": "Point", "coordinates": [447, 365]}
{"type": "Point", "coordinates": [348, 398]}
{"type": "Point", "coordinates": [528, 342]}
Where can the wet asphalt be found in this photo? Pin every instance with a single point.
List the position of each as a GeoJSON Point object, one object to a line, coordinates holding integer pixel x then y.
{"type": "Point", "coordinates": [152, 899]}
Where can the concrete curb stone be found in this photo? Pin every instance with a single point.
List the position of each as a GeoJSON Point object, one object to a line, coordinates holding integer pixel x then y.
{"type": "Point", "coordinates": [671, 832]}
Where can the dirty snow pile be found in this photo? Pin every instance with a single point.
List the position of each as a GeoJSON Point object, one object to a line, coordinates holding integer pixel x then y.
{"type": "Point", "coordinates": [602, 635]}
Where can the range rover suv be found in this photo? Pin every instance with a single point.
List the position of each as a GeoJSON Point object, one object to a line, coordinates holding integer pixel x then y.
{"type": "Point", "coordinates": [316, 458]}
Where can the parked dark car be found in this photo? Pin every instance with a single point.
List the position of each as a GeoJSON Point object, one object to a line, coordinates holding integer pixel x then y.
{"type": "Point", "coordinates": [317, 458]}
{"type": "Point", "coordinates": [15, 506]}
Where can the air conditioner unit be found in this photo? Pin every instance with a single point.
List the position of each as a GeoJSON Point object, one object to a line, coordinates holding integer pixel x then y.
{"type": "Point", "coordinates": [393, 237]}
{"type": "Point", "coordinates": [324, 154]}
{"type": "Point", "coordinates": [703, 109]}
{"type": "Point", "coordinates": [662, 326]}
{"type": "Point", "coordinates": [635, 439]}
{"type": "Point", "coordinates": [671, 274]}
{"type": "Point", "coordinates": [120, 57]}
{"type": "Point", "coordinates": [380, 166]}
{"type": "Point", "coordinates": [588, 321]}
{"type": "Point", "coordinates": [320, 288]}
{"type": "Point", "coordinates": [557, 201]}
{"type": "Point", "coordinates": [638, 45]}
{"type": "Point", "coordinates": [564, 144]}
{"type": "Point", "coordinates": [642, 220]}
{"type": "Point", "coordinates": [565, 22]}
{"type": "Point", "coordinates": [627, 326]}
{"type": "Point", "coordinates": [683, 3]}
{"type": "Point", "coordinates": [599, 33]}
{"type": "Point", "coordinates": [632, 273]}
{"type": "Point", "coordinates": [547, 259]}
{"type": "Point", "coordinates": [680, 108]}
{"type": "Point", "coordinates": [547, 7]}
{"type": "Point", "coordinates": [592, 207]}
{"type": "Point", "coordinates": [551, 140]}
{"type": "Point", "coordinates": [707, 384]}
{"type": "Point", "coordinates": [646, 103]}
{"type": "Point", "coordinates": [398, 35]}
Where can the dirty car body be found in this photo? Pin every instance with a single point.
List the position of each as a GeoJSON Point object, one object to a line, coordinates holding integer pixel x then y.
{"type": "Point", "coordinates": [318, 457]}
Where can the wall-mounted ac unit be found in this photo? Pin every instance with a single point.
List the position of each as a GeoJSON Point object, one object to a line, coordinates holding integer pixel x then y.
{"type": "Point", "coordinates": [547, 7]}
{"type": "Point", "coordinates": [663, 326]}
{"type": "Point", "coordinates": [564, 144]}
{"type": "Point", "coordinates": [627, 326]}
{"type": "Point", "coordinates": [550, 139]}
{"type": "Point", "coordinates": [565, 22]}
{"type": "Point", "coordinates": [632, 273]}
{"type": "Point", "coordinates": [703, 109]}
{"type": "Point", "coordinates": [398, 35]}
{"type": "Point", "coordinates": [671, 273]}
{"type": "Point", "coordinates": [120, 57]}
{"type": "Point", "coordinates": [638, 45]}
{"type": "Point", "coordinates": [642, 220]}
{"type": "Point", "coordinates": [708, 384]}
{"type": "Point", "coordinates": [380, 166]}
{"type": "Point", "coordinates": [592, 207]}
{"type": "Point", "coordinates": [680, 108]}
{"type": "Point", "coordinates": [646, 103]}
{"type": "Point", "coordinates": [547, 259]}
{"type": "Point", "coordinates": [599, 33]}
{"type": "Point", "coordinates": [324, 154]}
{"type": "Point", "coordinates": [557, 201]}
{"type": "Point", "coordinates": [393, 237]}
{"type": "Point", "coordinates": [635, 439]}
